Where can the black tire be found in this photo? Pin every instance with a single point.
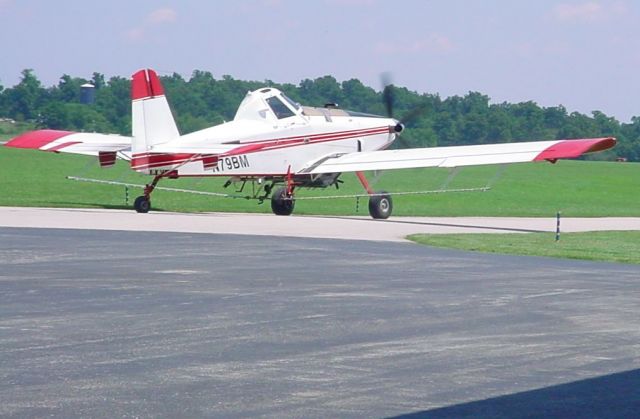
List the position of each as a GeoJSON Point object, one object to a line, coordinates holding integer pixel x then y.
{"type": "Point", "coordinates": [281, 204]}
{"type": "Point", "coordinates": [142, 204]}
{"type": "Point", "coordinates": [380, 205]}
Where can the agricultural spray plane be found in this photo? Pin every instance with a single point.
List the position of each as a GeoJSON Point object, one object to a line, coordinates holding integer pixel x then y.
{"type": "Point", "coordinates": [274, 141]}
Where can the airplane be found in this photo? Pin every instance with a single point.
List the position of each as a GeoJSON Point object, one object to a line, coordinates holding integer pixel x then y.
{"type": "Point", "coordinates": [274, 141]}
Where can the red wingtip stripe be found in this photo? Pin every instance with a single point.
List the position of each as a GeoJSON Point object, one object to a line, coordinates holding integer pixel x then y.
{"type": "Point", "coordinates": [568, 149]}
{"type": "Point", "coordinates": [37, 139]}
{"type": "Point", "coordinates": [145, 84]}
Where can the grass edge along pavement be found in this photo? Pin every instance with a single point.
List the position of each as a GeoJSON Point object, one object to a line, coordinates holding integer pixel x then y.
{"type": "Point", "coordinates": [604, 246]}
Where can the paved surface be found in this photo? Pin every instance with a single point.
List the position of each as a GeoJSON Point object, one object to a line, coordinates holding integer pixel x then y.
{"type": "Point", "coordinates": [351, 228]}
{"type": "Point", "coordinates": [140, 324]}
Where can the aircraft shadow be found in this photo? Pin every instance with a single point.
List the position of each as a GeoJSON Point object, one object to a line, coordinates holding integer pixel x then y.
{"type": "Point", "coordinates": [469, 226]}
{"type": "Point", "coordinates": [81, 205]}
{"type": "Point", "coordinates": [89, 205]}
{"type": "Point", "coordinates": [610, 396]}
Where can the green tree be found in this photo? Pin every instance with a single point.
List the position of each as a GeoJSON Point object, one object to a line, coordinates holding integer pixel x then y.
{"type": "Point", "coordinates": [203, 101]}
{"type": "Point", "coordinates": [68, 89]}
{"type": "Point", "coordinates": [54, 116]}
{"type": "Point", "coordinates": [114, 102]}
{"type": "Point", "coordinates": [26, 97]}
{"type": "Point", "coordinates": [97, 80]}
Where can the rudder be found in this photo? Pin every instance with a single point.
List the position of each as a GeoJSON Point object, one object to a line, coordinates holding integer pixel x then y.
{"type": "Point", "coordinates": [152, 122]}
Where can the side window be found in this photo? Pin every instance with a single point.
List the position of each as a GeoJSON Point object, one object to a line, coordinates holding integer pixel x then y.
{"type": "Point", "coordinates": [279, 109]}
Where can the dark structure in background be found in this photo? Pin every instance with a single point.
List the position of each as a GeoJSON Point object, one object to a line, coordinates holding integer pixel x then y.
{"type": "Point", "coordinates": [87, 94]}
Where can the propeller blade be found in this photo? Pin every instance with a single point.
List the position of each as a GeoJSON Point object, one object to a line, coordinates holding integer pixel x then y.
{"type": "Point", "coordinates": [389, 97]}
{"type": "Point", "coordinates": [387, 93]}
{"type": "Point", "coordinates": [413, 114]}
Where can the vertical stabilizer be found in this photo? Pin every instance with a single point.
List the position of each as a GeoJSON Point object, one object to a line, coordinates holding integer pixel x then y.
{"type": "Point", "coordinates": [152, 121]}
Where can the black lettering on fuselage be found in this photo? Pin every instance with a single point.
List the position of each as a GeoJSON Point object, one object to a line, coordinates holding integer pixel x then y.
{"type": "Point", "coordinates": [232, 163]}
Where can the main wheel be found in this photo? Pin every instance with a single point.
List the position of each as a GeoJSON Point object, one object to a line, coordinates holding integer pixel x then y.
{"type": "Point", "coordinates": [380, 205]}
{"type": "Point", "coordinates": [142, 204]}
{"type": "Point", "coordinates": [281, 203]}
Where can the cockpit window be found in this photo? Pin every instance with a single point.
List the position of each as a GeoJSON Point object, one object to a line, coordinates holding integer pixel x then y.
{"type": "Point", "coordinates": [295, 105]}
{"type": "Point", "coordinates": [279, 108]}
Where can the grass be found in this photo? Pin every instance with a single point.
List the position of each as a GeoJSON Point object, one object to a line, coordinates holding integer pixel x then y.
{"type": "Point", "coordinates": [577, 188]}
{"type": "Point", "coordinates": [610, 246]}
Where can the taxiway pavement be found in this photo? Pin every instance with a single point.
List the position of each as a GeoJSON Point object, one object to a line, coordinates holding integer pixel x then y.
{"type": "Point", "coordinates": [350, 228]}
{"type": "Point", "coordinates": [98, 323]}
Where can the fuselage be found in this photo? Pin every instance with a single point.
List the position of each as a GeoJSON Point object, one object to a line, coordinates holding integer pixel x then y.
{"type": "Point", "coordinates": [273, 136]}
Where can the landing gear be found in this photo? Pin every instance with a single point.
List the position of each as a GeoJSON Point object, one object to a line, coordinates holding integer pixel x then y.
{"type": "Point", "coordinates": [282, 201]}
{"type": "Point", "coordinates": [380, 205]}
{"type": "Point", "coordinates": [142, 204]}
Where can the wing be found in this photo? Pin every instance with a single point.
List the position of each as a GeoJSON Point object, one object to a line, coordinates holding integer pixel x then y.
{"type": "Point", "coordinates": [459, 155]}
{"type": "Point", "coordinates": [110, 147]}
{"type": "Point", "coordinates": [91, 144]}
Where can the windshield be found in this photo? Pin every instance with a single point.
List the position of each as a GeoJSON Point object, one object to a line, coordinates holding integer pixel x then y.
{"type": "Point", "coordinates": [279, 108]}
{"type": "Point", "coordinates": [295, 105]}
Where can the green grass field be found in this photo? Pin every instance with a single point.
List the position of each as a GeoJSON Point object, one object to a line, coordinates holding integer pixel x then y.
{"type": "Point", "coordinates": [610, 246]}
{"type": "Point", "coordinates": [577, 188]}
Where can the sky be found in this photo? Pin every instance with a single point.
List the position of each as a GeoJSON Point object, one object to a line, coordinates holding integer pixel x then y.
{"type": "Point", "coordinates": [582, 54]}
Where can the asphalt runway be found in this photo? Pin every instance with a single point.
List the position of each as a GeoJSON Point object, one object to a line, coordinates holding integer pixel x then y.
{"type": "Point", "coordinates": [99, 323]}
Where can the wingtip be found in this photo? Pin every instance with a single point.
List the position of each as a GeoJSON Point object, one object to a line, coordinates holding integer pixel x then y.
{"type": "Point", "coordinates": [36, 139]}
{"type": "Point", "coordinates": [604, 144]}
{"type": "Point", "coordinates": [568, 149]}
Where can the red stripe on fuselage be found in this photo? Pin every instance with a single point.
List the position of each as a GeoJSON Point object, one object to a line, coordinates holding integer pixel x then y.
{"type": "Point", "coordinates": [155, 161]}
{"type": "Point", "coordinates": [147, 160]}
{"type": "Point", "coordinates": [264, 145]}
{"type": "Point", "coordinates": [364, 131]}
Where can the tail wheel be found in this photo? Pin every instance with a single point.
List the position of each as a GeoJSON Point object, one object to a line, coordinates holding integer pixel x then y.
{"type": "Point", "coordinates": [281, 202]}
{"type": "Point", "coordinates": [380, 205]}
{"type": "Point", "coordinates": [142, 204]}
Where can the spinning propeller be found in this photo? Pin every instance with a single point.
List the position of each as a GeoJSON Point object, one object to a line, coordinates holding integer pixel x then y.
{"type": "Point", "coordinates": [388, 98]}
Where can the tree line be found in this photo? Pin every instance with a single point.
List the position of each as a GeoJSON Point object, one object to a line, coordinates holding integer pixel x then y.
{"type": "Point", "coordinates": [202, 101]}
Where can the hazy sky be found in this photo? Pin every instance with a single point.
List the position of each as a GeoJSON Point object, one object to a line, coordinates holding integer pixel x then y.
{"type": "Point", "coordinates": [579, 53]}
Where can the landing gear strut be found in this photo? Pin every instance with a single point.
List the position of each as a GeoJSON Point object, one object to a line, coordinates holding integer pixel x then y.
{"type": "Point", "coordinates": [142, 204]}
{"type": "Point", "coordinates": [282, 201]}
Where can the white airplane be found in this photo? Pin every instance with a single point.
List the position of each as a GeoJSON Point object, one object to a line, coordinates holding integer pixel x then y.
{"type": "Point", "coordinates": [275, 141]}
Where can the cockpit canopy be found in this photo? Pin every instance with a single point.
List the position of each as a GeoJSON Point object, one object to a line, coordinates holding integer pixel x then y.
{"type": "Point", "coordinates": [267, 104]}
{"type": "Point", "coordinates": [271, 105]}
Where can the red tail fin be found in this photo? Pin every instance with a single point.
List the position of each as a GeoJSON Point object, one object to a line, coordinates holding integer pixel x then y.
{"type": "Point", "coordinates": [146, 84]}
